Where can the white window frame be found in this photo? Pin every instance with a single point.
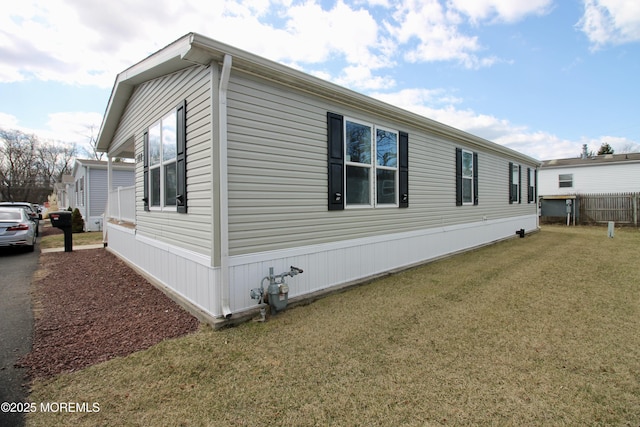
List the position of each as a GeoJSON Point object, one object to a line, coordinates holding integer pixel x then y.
{"type": "Point", "coordinates": [394, 169]}
{"type": "Point", "coordinates": [372, 167]}
{"type": "Point", "coordinates": [532, 184]}
{"type": "Point", "coordinates": [469, 178]}
{"type": "Point", "coordinates": [515, 181]}
{"type": "Point", "coordinates": [565, 180]}
{"type": "Point", "coordinates": [80, 192]}
{"type": "Point", "coordinates": [162, 163]}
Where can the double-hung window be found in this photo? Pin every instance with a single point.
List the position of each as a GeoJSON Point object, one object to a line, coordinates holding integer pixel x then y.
{"type": "Point", "coordinates": [371, 160]}
{"type": "Point", "coordinates": [386, 167]}
{"type": "Point", "coordinates": [162, 163]}
{"type": "Point", "coordinates": [466, 177]}
{"type": "Point", "coordinates": [515, 180]}
{"type": "Point", "coordinates": [533, 182]}
{"type": "Point", "coordinates": [565, 180]}
{"type": "Point", "coordinates": [165, 163]}
{"type": "Point", "coordinates": [368, 165]}
{"type": "Point", "coordinates": [358, 162]}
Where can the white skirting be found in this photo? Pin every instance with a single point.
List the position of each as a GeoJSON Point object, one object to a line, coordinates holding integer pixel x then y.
{"type": "Point", "coordinates": [191, 276]}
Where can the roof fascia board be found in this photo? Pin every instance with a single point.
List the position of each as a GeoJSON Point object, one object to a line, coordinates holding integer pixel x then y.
{"type": "Point", "coordinates": [164, 61]}
{"type": "Point", "coordinates": [590, 165]}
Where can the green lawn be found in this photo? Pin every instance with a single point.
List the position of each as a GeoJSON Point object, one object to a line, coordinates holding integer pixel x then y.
{"type": "Point", "coordinates": [543, 331]}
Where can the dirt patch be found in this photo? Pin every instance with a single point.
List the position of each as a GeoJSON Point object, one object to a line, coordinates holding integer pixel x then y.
{"type": "Point", "coordinates": [91, 307]}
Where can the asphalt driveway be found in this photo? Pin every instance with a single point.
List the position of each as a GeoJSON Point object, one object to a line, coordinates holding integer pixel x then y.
{"type": "Point", "coordinates": [16, 320]}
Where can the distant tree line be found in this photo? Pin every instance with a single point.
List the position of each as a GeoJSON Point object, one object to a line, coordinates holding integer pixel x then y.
{"type": "Point", "coordinates": [29, 167]}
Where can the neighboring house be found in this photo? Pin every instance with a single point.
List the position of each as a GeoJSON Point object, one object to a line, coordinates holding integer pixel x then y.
{"type": "Point", "coordinates": [608, 173]}
{"type": "Point", "coordinates": [89, 189]}
{"type": "Point", "coordinates": [243, 164]}
{"type": "Point", "coordinates": [565, 183]}
{"type": "Point", "coordinates": [64, 192]}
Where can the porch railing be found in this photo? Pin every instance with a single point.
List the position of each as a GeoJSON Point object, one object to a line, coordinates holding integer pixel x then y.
{"type": "Point", "coordinates": [122, 204]}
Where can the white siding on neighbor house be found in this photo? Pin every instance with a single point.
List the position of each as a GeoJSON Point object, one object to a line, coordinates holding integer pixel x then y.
{"type": "Point", "coordinates": [278, 175]}
{"type": "Point", "coordinates": [591, 179]}
{"type": "Point", "coordinates": [122, 178]}
{"type": "Point", "coordinates": [149, 102]}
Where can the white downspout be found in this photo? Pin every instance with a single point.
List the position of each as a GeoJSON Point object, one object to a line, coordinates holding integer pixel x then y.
{"type": "Point", "coordinates": [224, 188]}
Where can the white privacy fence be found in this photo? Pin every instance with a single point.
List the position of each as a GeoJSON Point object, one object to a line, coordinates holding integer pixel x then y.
{"type": "Point", "coordinates": [122, 204]}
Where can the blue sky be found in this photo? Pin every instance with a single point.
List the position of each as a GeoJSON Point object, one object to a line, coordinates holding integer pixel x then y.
{"type": "Point", "coordinates": [542, 77]}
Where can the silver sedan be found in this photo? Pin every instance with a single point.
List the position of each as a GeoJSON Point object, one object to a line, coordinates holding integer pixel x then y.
{"type": "Point", "coordinates": [17, 229]}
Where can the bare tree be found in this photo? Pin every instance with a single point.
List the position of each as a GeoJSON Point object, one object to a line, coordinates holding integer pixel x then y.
{"type": "Point", "coordinates": [92, 152]}
{"type": "Point", "coordinates": [29, 168]}
{"type": "Point", "coordinates": [18, 168]}
{"type": "Point", "coordinates": [55, 160]}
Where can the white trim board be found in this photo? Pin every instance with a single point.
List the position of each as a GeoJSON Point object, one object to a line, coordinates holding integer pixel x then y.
{"type": "Point", "coordinates": [326, 266]}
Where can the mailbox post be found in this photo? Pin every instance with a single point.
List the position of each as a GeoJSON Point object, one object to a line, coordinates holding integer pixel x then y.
{"type": "Point", "coordinates": [62, 220]}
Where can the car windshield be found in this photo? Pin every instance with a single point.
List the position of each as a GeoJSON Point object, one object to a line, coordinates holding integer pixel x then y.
{"type": "Point", "coordinates": [10, 215]}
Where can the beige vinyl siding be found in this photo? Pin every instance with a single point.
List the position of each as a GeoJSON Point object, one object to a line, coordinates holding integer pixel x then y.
{"type": "Point", "coordinates": [149, 102]}
{"type": "Point", "coordinates": [278, 175]}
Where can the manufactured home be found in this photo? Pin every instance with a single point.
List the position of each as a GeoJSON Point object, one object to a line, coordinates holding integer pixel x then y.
{"type": "Point", "coordinates": [606, 173]}
{"type": "Point", "coordinates": [570, 187]}
{"type": "Point", "coordinates": [89, 191]}
{"type": "Point", "coordinates": [243, 165]}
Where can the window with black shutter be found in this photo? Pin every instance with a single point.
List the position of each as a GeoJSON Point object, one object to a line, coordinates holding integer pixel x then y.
{"type": "Point", "coordinates": [466, 177]}
{"type": "Point", "coordinates": [515, 183]}
{"type": "Point", "coordinates": [368, 165]}
{"type": "Point", "coordinates": [165, 174]}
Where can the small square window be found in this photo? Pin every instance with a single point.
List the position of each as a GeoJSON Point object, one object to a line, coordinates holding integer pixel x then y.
{"type": "Point", "coordinates": [565, 180]}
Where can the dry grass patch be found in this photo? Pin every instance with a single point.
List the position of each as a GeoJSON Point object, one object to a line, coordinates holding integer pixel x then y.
{"type": "Point", "coordinates": [537, 331]}
{"type": "Point", "coordinates": [57, 240]}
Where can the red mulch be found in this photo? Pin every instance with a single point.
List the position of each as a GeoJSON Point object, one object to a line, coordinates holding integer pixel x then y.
{"type": "Point", "coordinates": [91, 307]}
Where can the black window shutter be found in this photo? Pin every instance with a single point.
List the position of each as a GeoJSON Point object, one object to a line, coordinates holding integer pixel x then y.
{"type": "Point", "coordinates": [510, 183]}
{"type": "Point", "coordinates": [458, 177]}
{"type": "Point", "coordinates": [145, 149]}
{"type": "Point", "coordinates": [403, 154]}
{"type": "Point", "coordinates": [519, 184]}
{"type": "Point", "coordinates": [475, 179]}
{"type": "Point", "coordinates": [335, 131]}
{"type": "Point", "coordinates": [535, 189]}
{"type": "Point", "coordinates": [528, 185]}
{"type": "Point", "coordinates": [181, 157]}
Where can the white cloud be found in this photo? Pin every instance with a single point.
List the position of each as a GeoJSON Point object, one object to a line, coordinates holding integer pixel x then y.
{"type": "Point", "coordinates": [87, 42]}
{"type": "Point", "coordinates": [619, 144]}
{"type": "Point", "coordinates": [360, 77]}
{"type": "Point", "coordinates": [500, 10]}
{"type": "Point", "coordinates": [436, 32]}
{"type": "Point", "coordinates": [440, 106]}
{"type": "Point", "coordinates": [77, 127]}
{"type": "Point", "coordinates": [610, 22]}
{"type": "Point", "coordinates": [8, 121]}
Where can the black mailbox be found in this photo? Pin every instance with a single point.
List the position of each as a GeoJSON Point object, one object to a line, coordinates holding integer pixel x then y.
{"type": "Point", "coordinates": [62, 220]}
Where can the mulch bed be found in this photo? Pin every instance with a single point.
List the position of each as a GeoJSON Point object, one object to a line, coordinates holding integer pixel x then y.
{"type": "Point", "coordinates": [91, 307]}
